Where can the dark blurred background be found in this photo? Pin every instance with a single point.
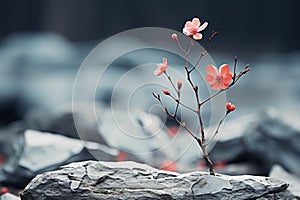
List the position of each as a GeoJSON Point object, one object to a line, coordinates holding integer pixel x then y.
{"type": "Point", "coordinates": [250, 26]}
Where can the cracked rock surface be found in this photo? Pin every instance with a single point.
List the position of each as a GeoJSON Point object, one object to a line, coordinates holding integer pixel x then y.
{"type": "Point", "coordinates": [131, 180]}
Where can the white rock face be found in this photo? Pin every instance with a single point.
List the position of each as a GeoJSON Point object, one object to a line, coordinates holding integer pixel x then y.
{"type": "Point", "coordinates": [9, 196]}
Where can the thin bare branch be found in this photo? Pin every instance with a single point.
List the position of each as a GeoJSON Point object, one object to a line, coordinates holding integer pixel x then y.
{"type": "Point", "coordinates": [217, 130]}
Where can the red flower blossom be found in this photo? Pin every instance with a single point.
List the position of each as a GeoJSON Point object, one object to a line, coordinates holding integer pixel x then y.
{"type": "Point", "coordinates": [218, 79]}
{"type": "Point", "coordinates": [161, 67]}
{"type": "Point", "coordinates": [192, 28]}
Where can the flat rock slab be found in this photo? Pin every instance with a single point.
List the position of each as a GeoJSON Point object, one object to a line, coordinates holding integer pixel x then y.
{"type": "Point", "coordinates": [130, 180]}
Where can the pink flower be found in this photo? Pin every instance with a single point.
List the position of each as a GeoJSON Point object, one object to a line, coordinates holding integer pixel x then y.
{"type": "Point", "coordinates": [192, 28]}
{"type": "Point", "coordinates": [161, 67]}
{"type": "Point", "coordinates": [218, 79]}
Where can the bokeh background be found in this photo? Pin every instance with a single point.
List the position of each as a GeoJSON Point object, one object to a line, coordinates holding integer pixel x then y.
{"type": "Point", "coordinates": [43, 43]}
{"type": "Point", "coordinates": [255, 31]}
{"type": "Point", "coordinates": [248, 26]}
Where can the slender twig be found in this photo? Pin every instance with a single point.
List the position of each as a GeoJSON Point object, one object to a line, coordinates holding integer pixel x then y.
{"type": "Point", "coordinates": [176, 109]}
{"type": "Point", "coordinates": [180, 47]}
{"type": "Point", "coordinates": [234, 68]}
{"type": "Point", "coordinates": [181, 123]}
{"type": "Point", "coordinates": [212, 96]}
{"type": "Point", "coordinates": [217, 130]}
{"type": "Point", "coordinates": [170, 80]}
{"type": "Point", "coordinates": [178, 95]}
{"type": "Point", "coordinates": [190, 47]}
{"type": "Point", "coordinates": [213, 34]}
{"type": "Point", "coordinates": [178, 101]}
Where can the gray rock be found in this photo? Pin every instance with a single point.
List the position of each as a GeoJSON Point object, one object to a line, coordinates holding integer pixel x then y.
{"type": "Point", "coordinates": [278, 172]}
{"type": "Point", "coordinates": [273, 141]}
{"type": "Point", "coordinates": [131, 180]}
{"type": "Point", "coordinates": [264, 140]}
{"type": "Point", "coordinates": [9, 196]}
{"type": "Point", "coordinates": [36, 152]}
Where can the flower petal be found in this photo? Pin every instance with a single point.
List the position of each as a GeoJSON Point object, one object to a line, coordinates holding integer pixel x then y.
{"type": "Point", "coordinates": [225, 85]}
{"type": "Point", "coordinates": [227, 78]}
{"type": "Point", "coordinates": [160, 65]}
{"type": "Point", "coordinates": [158, 72]}
{"type": "Point", "coordinates": [224, 69]}
{"type": "Point", "coordinates": [217, 86]}
{"type": "Point", "coordinates": [211, 70]}
{"type": "Point", "coordinates": [165, 61]}
{"type": "Point", "coordinates": [186, 32]}
{"type": "Point", "coordinates": [189, 24]}
{"type": "Point", "coordinates": [203, 26]}
{"type": "Point", "coordinates": [197, 36]}
{"type": "Point", "coordinates": [210, 79]}
{"type": "Point", "coordinates": [196, 22]}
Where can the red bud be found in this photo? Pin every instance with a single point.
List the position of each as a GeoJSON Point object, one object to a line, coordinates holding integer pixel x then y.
{"type": "Point", "coordinates": [4, 190]}
{"type": "Point", "coordinates": [230, 107]}
{"type": "Point", "coordinates": [174, 36]}
{"type": "Point", "coordinates": [166, 92]}
{"type": "Point", "coordinates": [179, 84]}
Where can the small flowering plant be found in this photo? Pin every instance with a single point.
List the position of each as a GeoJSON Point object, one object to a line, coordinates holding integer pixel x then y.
{"type": "Point", "coordinates": [219, 80]}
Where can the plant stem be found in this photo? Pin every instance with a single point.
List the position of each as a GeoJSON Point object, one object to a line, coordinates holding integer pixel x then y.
{"type": "Point", "coordinates": [217, 130]}
{"type": "Point", "coordinates": [202, 131]}
{"type": "Point", "coordinates": [189, 131]}
{"type": "Point", "coordinates": [208, 161]}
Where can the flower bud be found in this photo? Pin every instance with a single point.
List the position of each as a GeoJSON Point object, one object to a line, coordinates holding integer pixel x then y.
{"type": "Point", "coordinates": [179, 84]}
{"type": "Point", "coordinates": [230, 107]}
{"type": "Point", "coordinates": [174, 36]}
{"type": "Point", "coordinates": [196, 87]}
{"type": "Point", "coordinates": [166, 92]}
{"type": "Point", "coordinates": [204, 53]}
